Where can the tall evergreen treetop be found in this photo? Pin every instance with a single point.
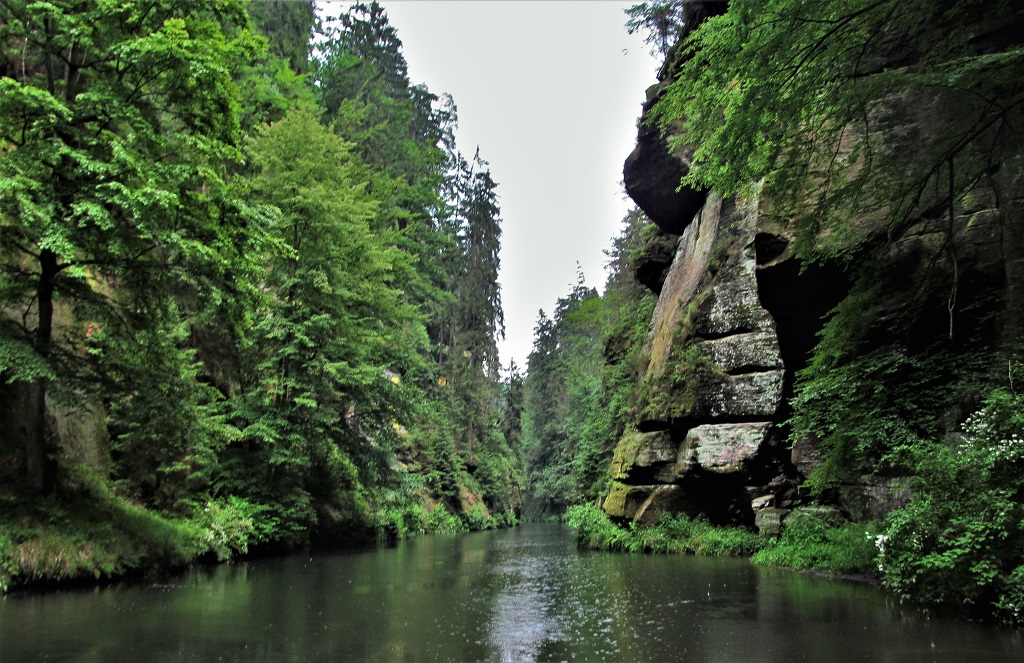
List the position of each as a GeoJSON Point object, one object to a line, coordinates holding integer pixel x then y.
{"type": "Point", "coordinates": [288, 25]}
{"type": "Point", "coordinates": [481, 320]}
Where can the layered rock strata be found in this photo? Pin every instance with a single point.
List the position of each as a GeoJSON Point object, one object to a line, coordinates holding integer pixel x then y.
{"type": "Point", "coordinates": [714, 383]}
{"type": "Point", "coordinates": [738, 316]}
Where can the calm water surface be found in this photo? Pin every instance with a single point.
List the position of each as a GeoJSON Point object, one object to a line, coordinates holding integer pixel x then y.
{"type": "Point", "coordinates": [518, 595]}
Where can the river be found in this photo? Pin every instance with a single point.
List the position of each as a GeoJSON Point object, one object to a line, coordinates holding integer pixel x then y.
{"type": "Point", "coordinates": [523, 594]}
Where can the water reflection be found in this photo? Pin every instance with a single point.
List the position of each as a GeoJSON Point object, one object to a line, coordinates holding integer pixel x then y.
{"type": "Point", "coordinates": [524, 616]}
{"type": "Point", "coordinates": [520, 595]}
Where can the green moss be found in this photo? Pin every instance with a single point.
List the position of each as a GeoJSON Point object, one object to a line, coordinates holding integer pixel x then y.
{"type": "Point", "coordinates": [615, 502]}
{"type": "Point", "coordinates": [626, 453]}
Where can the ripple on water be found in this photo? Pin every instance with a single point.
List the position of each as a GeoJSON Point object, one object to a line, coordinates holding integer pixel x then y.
{"type": "Point", "coordinates": [522, 595]}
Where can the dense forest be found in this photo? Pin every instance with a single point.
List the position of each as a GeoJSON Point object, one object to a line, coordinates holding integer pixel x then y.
{"type": "Point", "coordinates": [830, 378]}
{"type": "Point", "coordinates": [248, 294]}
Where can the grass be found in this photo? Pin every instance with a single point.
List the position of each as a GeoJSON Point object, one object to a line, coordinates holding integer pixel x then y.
{"type": "Point", "coordinates": [88, 533]}
{"type": "Point", "coordinates": [808, 542]}
{"type": "Point", "coordinates": [673, 534]}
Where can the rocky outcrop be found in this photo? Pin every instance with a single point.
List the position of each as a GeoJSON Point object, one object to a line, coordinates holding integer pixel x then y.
{"type": "Point", "coordinates": [714, 383]}
{"type": "Point", "coordinates": [739, 314]}
{"type": "Point", "coordinates": [652, 172]}
{"type": "Point", "coordinates": [651, 177]}
{"type": "Point", "coordinates": [737, 317]}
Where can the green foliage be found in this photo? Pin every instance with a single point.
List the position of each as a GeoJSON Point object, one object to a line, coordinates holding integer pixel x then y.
{"type": "Point", "coordinates": [288, 26]}
{"type": "Point", "coordinates": [560, 391]}
{"type": "Point", "coordinates": [594, 529]}
{"type": "Point", "coordinates": [229, 525]}
{"type": "Point", "coordinates": [773, 89]}
{"type": "Point", "coordinates": [321, 349]}
{"type": "Point", "coordinates": [8, 566]}
{"type": "Point", "coordinates": [89, 533]}
{"type": "Point", "coordinates": [661, 21]}
{"type": "Point", "coordinates": [812, 543]}
{"type": "Point", "coordinates": [117, 123]}
{"type": "Point", "coordinates": [442, 521]}
{"type": "Point", "coordinates": [959, 543]}
{"type": "Point", "coordinates": [477, 518]}
{"type": "Point", "coordinates": [672, 534]}
{"type": "Point", "coordinates": [166, 426]}
{"type": "Point", "coordinates": [870, 408]}
{"type": "Point", "coordinates": [808, 543]}
{"type": "Point", "coordinates": [664, 24]}
{"type": "Point", "coordinates": [877, 385]}
{"type": "Point", "coordinates": [578, 394]}
{"type": "Point", "coordinates": [255, 276]}
{"type": "Point", "coordinates": [445, 212]}
{"type": "Point", "coordinates": [399, 518]}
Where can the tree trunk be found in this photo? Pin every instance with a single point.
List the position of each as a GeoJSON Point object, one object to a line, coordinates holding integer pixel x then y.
{"type": "Point", "coordinates": [40, 457]}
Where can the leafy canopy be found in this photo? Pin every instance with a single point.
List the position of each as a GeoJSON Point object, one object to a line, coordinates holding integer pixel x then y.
{"type": "Point", "coordinates": [813, 96]}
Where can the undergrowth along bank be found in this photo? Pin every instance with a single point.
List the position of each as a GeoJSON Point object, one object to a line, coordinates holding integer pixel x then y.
{"type": "Point", "coordinates": [810, 543]}
{"type": "Point", "coordinates": [88, 533]}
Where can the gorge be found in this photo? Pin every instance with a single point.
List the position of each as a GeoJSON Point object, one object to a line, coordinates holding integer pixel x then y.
{"type": "Point", "coordinates": [256, 311]}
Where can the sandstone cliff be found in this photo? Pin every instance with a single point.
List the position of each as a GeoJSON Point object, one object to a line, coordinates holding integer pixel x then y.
{"type": "Point", "coordinates": [739, 316]}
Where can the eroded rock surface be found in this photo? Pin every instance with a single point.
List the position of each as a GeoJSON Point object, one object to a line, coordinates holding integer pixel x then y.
{"type": "Point", "coordinates": [739, 315]}
{"type": "Point", "coordinates": [715, 380]}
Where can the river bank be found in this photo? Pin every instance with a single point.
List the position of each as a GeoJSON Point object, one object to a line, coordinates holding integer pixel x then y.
{"type": "Point", "coordinates": [85, 534]}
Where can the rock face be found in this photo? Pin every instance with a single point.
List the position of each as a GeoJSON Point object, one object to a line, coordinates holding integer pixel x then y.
{"type": "Point", "coordinates": [738, 315]}
{"type": "Point", "coordinates": [714, 384]}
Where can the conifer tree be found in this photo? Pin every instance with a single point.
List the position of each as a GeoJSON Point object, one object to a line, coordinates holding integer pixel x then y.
{"type": "Point", "coordinates": [480, 318]}
{"type": "Point", "coordinates": [288, 26]}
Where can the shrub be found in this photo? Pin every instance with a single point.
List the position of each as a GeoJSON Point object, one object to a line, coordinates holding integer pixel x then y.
{"type": "Point", "coordinates": [442, 521]}
{"type": "Point", "coordinates": [228, 523]}
{"type": "Point", "coordinates": [813, 543]}
{"type": "Point", "coordinates": [477, 518]}
{"type": "Point", "coordinates": [960, 540]}
{"type": "Point", "coordinates": [7, 563]}
{"type": "Point", "coordinates": [595, 530]}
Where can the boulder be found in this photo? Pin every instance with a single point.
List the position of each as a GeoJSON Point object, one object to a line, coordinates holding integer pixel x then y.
{"type": "Point", "coordinates": [768, 521]}
{"type": "Point", "coordinates": [721, 448]}
{"type": "Point", "coordinates": [638, 456]}
{"type": "Point", "coordinates": [807, 455]}
{"type": "Point", "coordinates": [646, 503]}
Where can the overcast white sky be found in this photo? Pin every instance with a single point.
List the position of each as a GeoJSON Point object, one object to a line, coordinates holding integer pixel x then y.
{"type": "Point", "coordinates": [550, 92]}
